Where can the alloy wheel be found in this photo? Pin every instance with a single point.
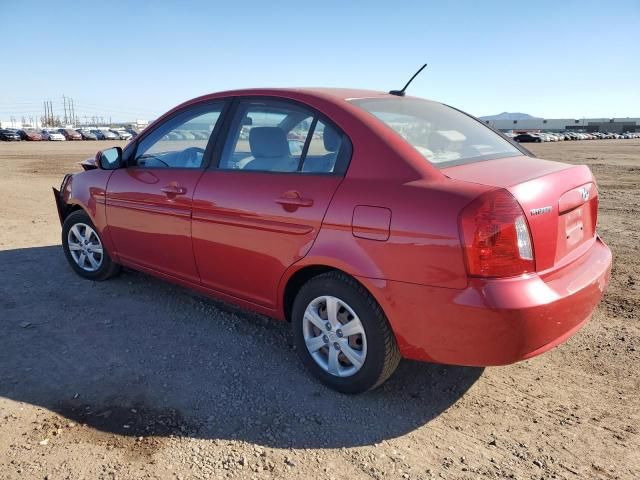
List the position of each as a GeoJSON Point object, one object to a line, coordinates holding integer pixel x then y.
{"type": "Point", "coordinates": [334, 336]}
{"type": "Point", "coordinates": [85, 247]}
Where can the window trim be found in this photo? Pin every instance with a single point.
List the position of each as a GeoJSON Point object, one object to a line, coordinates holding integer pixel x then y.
{"type": "Point", "coordinates": [343, 159]}
{"type": "Point", "coordinates": [225, 103]}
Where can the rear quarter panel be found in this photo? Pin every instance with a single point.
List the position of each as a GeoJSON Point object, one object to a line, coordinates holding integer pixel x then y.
{"type": "Point", "coordinates": [423, 245]}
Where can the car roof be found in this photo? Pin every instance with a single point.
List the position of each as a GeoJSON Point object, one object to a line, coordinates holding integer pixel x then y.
{"type": "Point", "coordinates": [324, 92]}
{"type": "Point", "coordinates": [333, 95]}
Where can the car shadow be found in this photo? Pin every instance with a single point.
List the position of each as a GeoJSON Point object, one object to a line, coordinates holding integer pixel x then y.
{"type": "Point", "coordinates": [136, 356]}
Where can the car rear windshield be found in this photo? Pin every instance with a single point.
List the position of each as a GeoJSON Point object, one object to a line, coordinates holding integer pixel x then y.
{"type": "Point", "coordinates": [443, 135]}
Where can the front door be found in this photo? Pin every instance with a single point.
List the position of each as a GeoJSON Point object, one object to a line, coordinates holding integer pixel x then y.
{"type": "Point", "coordinates": [149, 202]}
{"type": "Point", "coordinates": [260, 210]}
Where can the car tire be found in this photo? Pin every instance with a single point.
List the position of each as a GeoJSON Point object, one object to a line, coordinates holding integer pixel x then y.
{"type": "Point", "coordinates": [376, 346]}
{"type": "Point", "coordinates": [80, 235]}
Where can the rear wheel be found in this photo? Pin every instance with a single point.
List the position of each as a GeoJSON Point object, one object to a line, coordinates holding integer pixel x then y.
{"type": "Point", "coordinates": [341, 334]}
{"type": "Point", "coordinates": [84, 248]}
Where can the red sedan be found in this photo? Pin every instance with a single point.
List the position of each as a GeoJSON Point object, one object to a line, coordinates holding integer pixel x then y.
{"type": "Point", "coordinates": [392, 227]}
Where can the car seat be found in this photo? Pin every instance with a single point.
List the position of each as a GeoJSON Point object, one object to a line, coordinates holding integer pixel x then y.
{"type": "Point", "coordinates": [270, 150]}
{"type": "Point", "coordinates": [326, 163]}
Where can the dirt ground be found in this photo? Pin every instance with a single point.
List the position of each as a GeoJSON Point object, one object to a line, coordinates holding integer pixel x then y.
{"type": "Point", "coordinates": [136, 378]}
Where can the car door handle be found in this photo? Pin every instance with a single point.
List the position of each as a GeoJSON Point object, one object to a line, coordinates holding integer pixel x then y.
{"type": "Point", "coordinates": [174, 190]}
{"type": "Point", "coordinates": [294, 199]}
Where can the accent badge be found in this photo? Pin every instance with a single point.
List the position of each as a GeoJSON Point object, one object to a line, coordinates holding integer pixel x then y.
{"type": "Point", "coordinates": [540, 211]}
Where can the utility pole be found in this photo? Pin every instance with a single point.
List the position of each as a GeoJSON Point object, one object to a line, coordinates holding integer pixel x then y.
{"type": "Point", "coordinates": [74, 120]}
{"type": "Point", "coordinates": [50, 118]}
{"type": "Point", "coordinates": [64, 105]}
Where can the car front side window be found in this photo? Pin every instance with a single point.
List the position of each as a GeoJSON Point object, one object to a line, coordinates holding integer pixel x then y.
{"type": "Point", "coordinates": [180, 142]}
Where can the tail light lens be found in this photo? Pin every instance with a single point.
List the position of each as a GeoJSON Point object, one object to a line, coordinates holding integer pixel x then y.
{"type": "Point", "coordinates": [495, 236]}
{"type": "Point", "coordinates": [595, 200]}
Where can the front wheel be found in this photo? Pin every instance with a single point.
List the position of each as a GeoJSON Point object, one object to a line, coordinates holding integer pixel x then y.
{"type": "Point", "coordinates": [84, 248]}
{"type": "Point", "coordinates": [342, 335]}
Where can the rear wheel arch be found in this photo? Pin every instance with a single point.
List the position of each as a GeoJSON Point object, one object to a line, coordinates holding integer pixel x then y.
{"type": "Point", "coordinates": [297, 280]}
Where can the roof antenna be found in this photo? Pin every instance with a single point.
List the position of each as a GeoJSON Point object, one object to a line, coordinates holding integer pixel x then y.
{"type": "Point", "coordinates": [400, 93]}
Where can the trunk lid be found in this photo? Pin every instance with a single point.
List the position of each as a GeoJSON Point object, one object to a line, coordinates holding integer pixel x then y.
{"type": "Point", "coordinates": [560, 202]}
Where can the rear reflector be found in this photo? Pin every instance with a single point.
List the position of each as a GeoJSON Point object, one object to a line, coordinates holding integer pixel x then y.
{"type": "Point", "coordinates": [524, 241]}
{"type": "Point", "coordinates": [495, 236]}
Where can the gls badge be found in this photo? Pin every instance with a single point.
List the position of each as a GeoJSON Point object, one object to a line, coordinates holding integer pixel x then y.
{"type": "Point", "coordinates": [540, 211]}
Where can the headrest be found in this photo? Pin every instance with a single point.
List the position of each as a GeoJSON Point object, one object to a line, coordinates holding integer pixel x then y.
{"type": "Point", "coordinates": [268, 142]}
{"type": "Point", "coordinates": [331, 139]}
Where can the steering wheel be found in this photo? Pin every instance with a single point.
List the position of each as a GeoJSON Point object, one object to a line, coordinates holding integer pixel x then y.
{"type": "Point", "coordinates": [189, 155]}
{"type": "Point", "coordinates": [151, 157]}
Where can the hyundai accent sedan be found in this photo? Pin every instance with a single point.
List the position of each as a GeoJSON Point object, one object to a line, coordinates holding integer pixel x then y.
{"type": "Point", "coordinates": [393, 227]}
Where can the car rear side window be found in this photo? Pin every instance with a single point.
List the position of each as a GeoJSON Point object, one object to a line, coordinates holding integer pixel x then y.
{"type": "Point", "coordinates": [278, 136]}
{"type": "Point", "coordinates": [443, 135]}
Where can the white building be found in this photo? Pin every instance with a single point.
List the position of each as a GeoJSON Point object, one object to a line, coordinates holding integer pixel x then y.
{"type": "Point", "coordinates": [560, 124]}
{"type": "Point", "coordinates": [10, 124]}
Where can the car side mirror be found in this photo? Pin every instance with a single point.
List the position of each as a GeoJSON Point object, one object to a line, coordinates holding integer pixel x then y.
{"type": "Point", "coordinates": [109, 159]}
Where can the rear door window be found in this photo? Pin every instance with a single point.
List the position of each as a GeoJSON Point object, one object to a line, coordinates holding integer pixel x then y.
{"type": "Point", "coordinates": [278, 136]}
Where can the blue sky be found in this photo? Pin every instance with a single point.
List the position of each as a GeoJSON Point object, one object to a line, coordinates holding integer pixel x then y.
{"type": "Point", "coordinates": [137, 59]}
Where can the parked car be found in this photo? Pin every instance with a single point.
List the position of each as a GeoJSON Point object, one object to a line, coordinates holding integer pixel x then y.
{"type": "Point", "coordinates": [29, 135]}
{"type": "Point", "coordinates": [527, 137]}
{"type": "Point", "coordinates": [134, 133]}
{"type": "Point", "coordinates": [98, 133]}
{"type": "Point", "coordinates": [408, 229]}
{"type": "Point", "coordinates": [52, 135]}
{"type": "Point", "coordinates": [108, 134]}
{"type": "Point", "coordinates": [9, 135]}
{"type": "Point", "coordinates": [121, 134]}
{"type": "Point", "coordinates": [70, 134]}
{"type": "Point", "coordinates": [86, 134]}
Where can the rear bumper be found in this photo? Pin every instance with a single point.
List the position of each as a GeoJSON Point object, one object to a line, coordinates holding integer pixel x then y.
{"type": "Point", "coordinates": [495, 321]}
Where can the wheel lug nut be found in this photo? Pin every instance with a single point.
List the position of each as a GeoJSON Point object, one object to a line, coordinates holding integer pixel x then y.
{"type": "Point", "coordinates": [336, 345]}
{"type": "Point", "coordinates": [327, 326]}
{"type": "Point", "coordinates": [325, 339]}
{"type": "Point", "coordinates": [339, 333]}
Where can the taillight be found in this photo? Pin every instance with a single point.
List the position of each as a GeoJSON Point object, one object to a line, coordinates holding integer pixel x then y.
{"type": "Point", "coordinates": [595, 200]}
{"type": "Point", "coordinates": [495, 236]}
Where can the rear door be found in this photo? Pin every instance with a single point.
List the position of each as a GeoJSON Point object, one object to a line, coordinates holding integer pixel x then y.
{"type": "Point", "coordinates": [260, 209]}
{"type": "Point", "coordinates": [149, 202]}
